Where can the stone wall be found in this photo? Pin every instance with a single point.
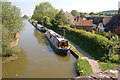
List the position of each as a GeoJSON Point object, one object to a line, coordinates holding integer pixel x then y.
{"type": "Point", "coordinates": [106, 75]}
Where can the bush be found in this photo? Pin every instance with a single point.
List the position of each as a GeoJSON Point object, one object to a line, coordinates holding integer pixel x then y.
{"type": "Point", "coordinates": [95, 45]}
{"type": "Point", "coordinates": [11, 22]}
{"type": "Point", "coordinates": [82, 68]}
{"type": "Point", "coordinates": [9, 51]}
{"type": "Point", "coordinates": [114, 59]}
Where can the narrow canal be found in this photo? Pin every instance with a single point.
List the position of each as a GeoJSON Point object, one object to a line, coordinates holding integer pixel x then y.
{"type": "Point", "coordinates": [38, 59]}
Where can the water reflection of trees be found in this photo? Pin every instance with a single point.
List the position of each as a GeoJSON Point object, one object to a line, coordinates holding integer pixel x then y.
{"type": "Point", "coordinates": [40, 37]}
{"type": "Point", "coordinates": [15, 68]}
{"type": "Point", "coordinates": [41, 40]}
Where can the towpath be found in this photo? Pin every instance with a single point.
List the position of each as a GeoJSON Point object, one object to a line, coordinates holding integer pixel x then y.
{"type": "Point", "coordinates": [91, 60]}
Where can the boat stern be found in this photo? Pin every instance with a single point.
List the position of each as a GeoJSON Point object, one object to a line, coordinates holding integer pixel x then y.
{"type": "Point", "coordinates": [63, 51]}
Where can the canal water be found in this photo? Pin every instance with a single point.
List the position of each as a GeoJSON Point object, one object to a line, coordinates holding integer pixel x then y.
{"type": "Point", "coordinates": [38, 59]}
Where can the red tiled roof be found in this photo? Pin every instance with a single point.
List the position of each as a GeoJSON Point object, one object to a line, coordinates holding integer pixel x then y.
{"type": "Point", "coordinates": [84, 23]}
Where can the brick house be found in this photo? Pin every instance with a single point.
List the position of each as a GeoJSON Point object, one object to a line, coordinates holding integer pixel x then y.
{"type": "Point", "coordinates": [83, 24]}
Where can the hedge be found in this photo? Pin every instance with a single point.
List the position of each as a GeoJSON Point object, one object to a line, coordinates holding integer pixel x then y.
{"type": "Point", "coordinates": [96, 45]}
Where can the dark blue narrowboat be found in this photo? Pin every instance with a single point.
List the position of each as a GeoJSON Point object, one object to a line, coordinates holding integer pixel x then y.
{"type": "Point", "coordinates": [58, 43]}
{"type": "Point", "coordinates": [41, 28]}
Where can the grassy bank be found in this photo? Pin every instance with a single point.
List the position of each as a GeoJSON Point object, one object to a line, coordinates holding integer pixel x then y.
{"type": "Point", "coordinates": [107, 66]}
{"type": "Point", "coordinates": [75, 50]}
{"type": "Point", "coordinates": [83, 68]}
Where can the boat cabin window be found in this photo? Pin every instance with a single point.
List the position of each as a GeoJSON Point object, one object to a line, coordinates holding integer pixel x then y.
{"type": "Point", "coordinates": [63, 44]}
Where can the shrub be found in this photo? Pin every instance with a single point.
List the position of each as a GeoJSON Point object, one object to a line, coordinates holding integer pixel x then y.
{"type": "Point", "coordinates": [94, 44]}
{"type": "Point", "coordinates": [114, 59]}
{"type": "Point", "coordinates": [9, 51]}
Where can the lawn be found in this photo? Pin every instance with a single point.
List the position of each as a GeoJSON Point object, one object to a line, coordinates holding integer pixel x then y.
{"type": "Point", "coordinates": [83, 68]}
{"type": "Point", "coordinates": [107, 66]}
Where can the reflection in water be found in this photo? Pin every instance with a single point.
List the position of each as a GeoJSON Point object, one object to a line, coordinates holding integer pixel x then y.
{"type": "Point", "coordinates": [41, 40]}
{"type": "Point", "coordinates": [64, 58]}
{"type": "Point", "coordinates": [16, 68]}
{"type": "Point", "coordinates": [40, 37]}
{"type": "Point", "coordinates": [39, 59]}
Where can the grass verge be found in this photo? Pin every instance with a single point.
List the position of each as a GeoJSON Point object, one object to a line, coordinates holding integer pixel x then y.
{"type": "Point", "coordinates": [75, 50]}
{"type": "Point", "coordinates": [107, 66]}
{"type": "Point", "coordinates": [83, 68]}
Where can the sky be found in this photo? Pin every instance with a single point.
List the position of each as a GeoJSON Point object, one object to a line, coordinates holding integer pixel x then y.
{"type": "Point", "coordinates": [27, 6]}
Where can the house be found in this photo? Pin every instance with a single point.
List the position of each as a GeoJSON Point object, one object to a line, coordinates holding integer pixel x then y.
{"type": "Point", "coordinates": [77, 18]}
{"type": "Point", "coordinates": [83, 24]}
{"type": "Point", "coordinates": [94, 27]}
{"type": "Point", "coordinates": [114, 25]}
{"type": "Point", "coordinates": [96, 20]}
{"type": "Point", "coordinates": [119, 11]}
{"type": "Point", "coordinates": [107, 23]}
{"type": "Point", "coordinates": [101, 27]}
{"type": "Point", "coordinates": [97, 23]}
{"type": "Point", "coordinates": [100, 22]}
{"type": "Point", "coordinates": [106, 20]}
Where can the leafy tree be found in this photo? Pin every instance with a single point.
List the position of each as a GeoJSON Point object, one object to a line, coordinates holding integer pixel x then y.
{"type": "Point", "coordinates": [63, 18]}
{"type": "Point", "coordinates": [69, 18]}
{"type": "Point", "coordinates": [91, 13]}
{"type": "Point", "coordinates": [11, 17]}
{"type": "Point", "coordinates": [11, 22]}
{"type": "Point", "coordinates": [43, 10]}
{"type": "Point", "coordinates": [75, 13]}
{"type": "Point", "coordinates": [82, 14]}
{"type": "Point", "coordinates": [59, 19]}
{"type": "Point", "coordinates": [25, 16]}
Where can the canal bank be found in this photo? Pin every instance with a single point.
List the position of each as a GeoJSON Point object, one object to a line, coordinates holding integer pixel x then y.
{"type": "Point", "coordinates": [40, 60]}
{"type": "Point", "coordinates": [13, 43]}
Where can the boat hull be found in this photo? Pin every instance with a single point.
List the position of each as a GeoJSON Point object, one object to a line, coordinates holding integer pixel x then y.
{"type": "Point", "coordinates": [62, 52]}
{"type": "Point", "coordinates": [40, 29]}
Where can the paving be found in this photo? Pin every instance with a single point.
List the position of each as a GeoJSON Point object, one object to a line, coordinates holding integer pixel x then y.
{"type": "Point", "coordinates": [113, 74]}
{"type": "Point", "coordinates": [94, 64]}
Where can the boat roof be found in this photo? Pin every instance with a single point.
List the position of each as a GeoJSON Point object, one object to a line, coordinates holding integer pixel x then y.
{"type": "Point", "coordinates": [59, 37]}
{"type": "Point", "coordinates": [39, 25]}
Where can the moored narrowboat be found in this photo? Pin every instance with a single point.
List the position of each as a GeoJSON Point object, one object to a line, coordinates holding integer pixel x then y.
{"type": "Point", "coordinates": [34, 24]}
{"type": "Point", "coordinates": [30, 21]}
{"type": "Point", "coordinates": [41, 28]}
{"type": "Point", "coordinates": [59, 44]}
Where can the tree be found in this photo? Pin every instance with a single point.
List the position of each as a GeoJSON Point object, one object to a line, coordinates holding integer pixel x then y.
{"type": "Point", "coordinates": [75, 13]}
{"type": "Point", "coordinates": [63, 18]}
{"type": "Point", "coordinates": [59, 19]}
{"type": "Point", "coordinates": [91, 13]}
{"type": "Point", "coordinates": [82, 14]}
{"type": "Point", "coordinates": [25, 16]}
{"type": "Point", "coordinates": [11, 22]}
{"type": "Point", "coordinates": [69, 18]}
{"type": "Point", "coordinates": [43, 10]}
{"type": "Point", "coordinates": [11, 17]}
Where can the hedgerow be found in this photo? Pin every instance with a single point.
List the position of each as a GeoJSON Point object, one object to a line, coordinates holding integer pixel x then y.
{"type": "Point", "coordinates": [96, 45]}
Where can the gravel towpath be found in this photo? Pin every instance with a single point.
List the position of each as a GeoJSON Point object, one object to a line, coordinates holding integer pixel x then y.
{"type": "Point", "coordinates": [94, 64]}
